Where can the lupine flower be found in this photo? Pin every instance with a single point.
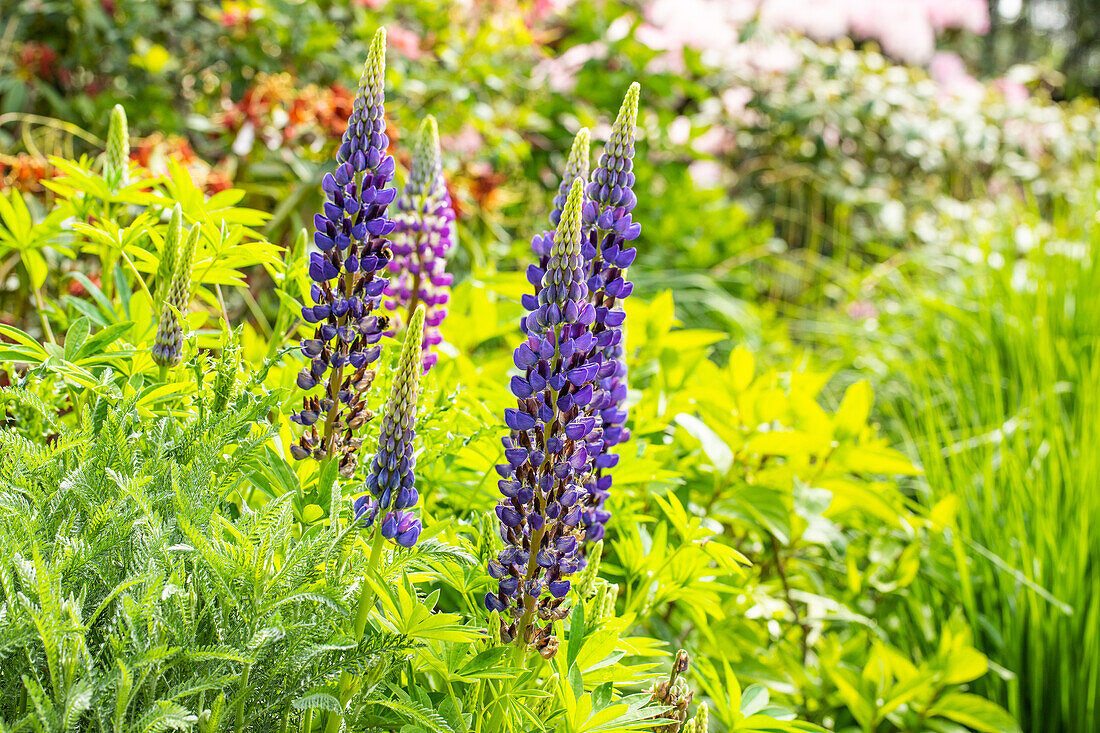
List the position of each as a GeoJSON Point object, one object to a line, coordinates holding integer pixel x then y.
{"type": "Point", "coordinates": [553, 436]}
{"type": "Point", "coordinates": [391, 481]}
{"type": "Point", "coordinates": [608, 228]}
{"type": "Point", "coordinates": [117, 162]}
{"type": "Point", "coordinates": [351, 252]}
{"type": "Point", "coordinates": [168, 342]}
{"type": "Point", "coordinates": [422, 239]}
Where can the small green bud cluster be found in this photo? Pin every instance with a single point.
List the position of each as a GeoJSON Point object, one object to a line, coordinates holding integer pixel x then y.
{"type": "Point", "coordinates": [116, 165]}
{"type": "Point", "coordinates": [675, 694]}
{"type": "Point", "coordinates": [168, 343]}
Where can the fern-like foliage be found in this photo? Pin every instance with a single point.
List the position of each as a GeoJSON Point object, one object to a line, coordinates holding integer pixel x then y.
{"type": "Point", "coordinates": [140, 592]}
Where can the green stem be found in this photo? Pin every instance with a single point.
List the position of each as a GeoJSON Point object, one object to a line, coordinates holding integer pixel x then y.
{"type": "Point", "coordinates": [529, 601]}
{"type": "Point", "coordinates": [241, 700]}
{"type": "Point", "coordinates": [141, 282]}
{"type": "Point", "coordinates": [307, 721]}
{"type": "Point", "coordinates": [40, 306]}
{"type": "Point", "coordinates": [362, 613]}
{"type": "Point", "coordinates": [284, 722]}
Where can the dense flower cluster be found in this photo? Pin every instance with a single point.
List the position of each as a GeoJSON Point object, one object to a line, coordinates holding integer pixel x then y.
{"type": "Point", "coordinates": [569, 396]}
{"type": "Point", "coordinates": [352, 251]}
{"type": "Point", "coordinates": [422, 240]}
{"type": "Point", "coordinates": [391, 481]}
{"type": "Point", "coordinates": [608, 227]}
{"type": "Point", "coordinates": [168, 342]}
{"type": "Point", "coordinates": [548, 449]}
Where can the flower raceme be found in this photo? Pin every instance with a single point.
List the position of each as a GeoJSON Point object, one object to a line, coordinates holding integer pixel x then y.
{"type": "Point", "coordinates": [347, 271]}
{"type": "Point", "coordinates": [422, 240]}
{"type": "Point", "coordinates": [391, 481]}
{"type": "Point", "coordinates": [570, 390]}
{"type": "Point", "coordinates": [608, 229]}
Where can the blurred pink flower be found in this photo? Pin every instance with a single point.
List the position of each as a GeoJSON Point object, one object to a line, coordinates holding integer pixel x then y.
{"type": "Point", "coordinates": [465, 144]}
{"type": "Point", "coordinates": [968, 15]}
{"type": "Point", "coordinates": [735, 99]}
{"type": "Point", "coordinates": [861, 310]}
{"type": "Point", "coordinates": [545, 8]}
{"type": "Point", "coordinates": [947, 67]}
{"type": "Point", "coordinates": [560, 73]}
{"type": "Point", "coordinates": [404, 41]}
{"type": "Point", "coordinates": [949, 71]}
{"type": "Point", "coordinates": [1013, 91]}
{"type": "Point", "coordinates": [706, 173]}
{"type": "Point", "coordinates": [372, 4]}
{"type": "Point", "coordinates": [715, 141]}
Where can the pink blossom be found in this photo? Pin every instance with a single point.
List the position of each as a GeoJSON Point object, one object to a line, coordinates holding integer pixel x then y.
{"type": "Point", "coordinates": [465, 144]}
{"type": "Point", "coordinates": [1014, 92]}
{"type": "Point", "coordinates": [404, 41]}
{"type": "Point", "coordinates": [372, 4]}
{"type": "Point", "coordinates": [706, 173]}
{"type": "Point", "coordinates": [561, 73]}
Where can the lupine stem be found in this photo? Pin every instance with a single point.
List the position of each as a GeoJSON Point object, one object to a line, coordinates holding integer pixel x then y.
{"type": "Point", "coordinates": [362, 613]}
{"type": "Point", "coordinates": [240, 702]}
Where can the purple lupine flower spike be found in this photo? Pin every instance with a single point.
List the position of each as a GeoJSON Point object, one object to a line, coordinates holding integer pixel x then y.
{"type": "Point", "coordinates": [391, 481]}
{"type": "Point", "coordinates": [550, 447]}
{"type": "Point", "coordinates": [576, 167]}
{"type": "Point", "coordinates": [348, 274]}
{"type": "Point", "coordinates": [423, 238]}
{"type": "Point", "coordinates": [609, 230]}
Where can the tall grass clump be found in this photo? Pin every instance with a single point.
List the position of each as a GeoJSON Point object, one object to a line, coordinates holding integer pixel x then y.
{"type": "Point", "coordinates": [998, 377]}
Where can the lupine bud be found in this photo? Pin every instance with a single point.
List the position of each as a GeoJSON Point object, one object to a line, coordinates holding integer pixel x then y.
{"type": "Point", "coordinates": [701, 715]}
{"type": "Point", "coordinates": [168, 342]}
{"type": "Point", "coordinates": [167, 265]}
{"type": "Point", "coordinates": [608, 232]}
{"type": "Point", "coordinates": [348, 270]}
{"type": "Point", "coordinates": [391, 481]}
{"type": "Point", "coordinates": [576, 168]}
{"type": "Point", "coordinates": [602, 604]}
{"type": "Point", "coordinates": [422, 240]}
{"type": "Point", "coordinates": [586, 581]}
{"type": "Point", "coordinates": [116, 165]}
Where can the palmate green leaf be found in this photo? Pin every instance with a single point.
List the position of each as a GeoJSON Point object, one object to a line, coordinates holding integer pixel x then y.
{"type": "Point", "coordinates": [627, 714]}
{"type": "Point", "coordinates": [79, 178]}
{"type": "Point", "coordinates": [405, 614]}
